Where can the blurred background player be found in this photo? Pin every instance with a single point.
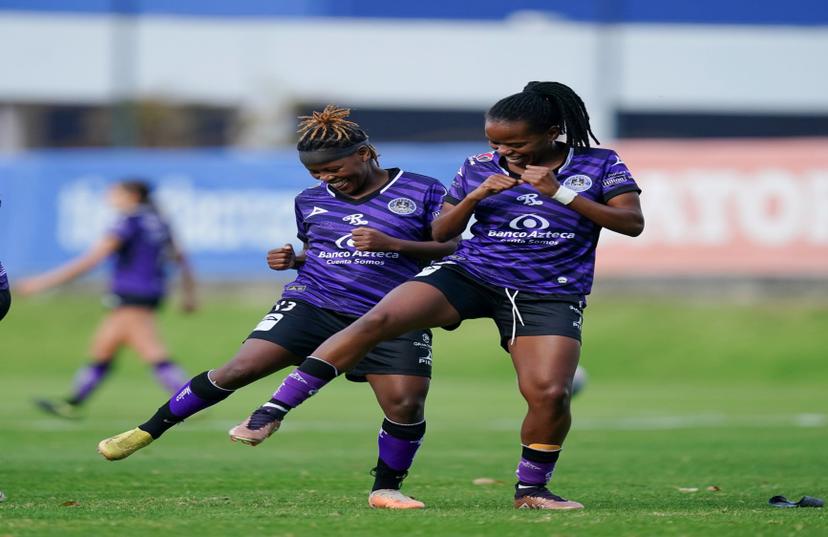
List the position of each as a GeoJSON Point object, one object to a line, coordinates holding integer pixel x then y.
{"type": "Point", "coordinates": [5, 295]}
{"type": "Point", "coordinates": [364, 231]}
{"type": "Point", "coordinates": [140, 245]}
{"type": "Point", "coordinates": [539, 206]}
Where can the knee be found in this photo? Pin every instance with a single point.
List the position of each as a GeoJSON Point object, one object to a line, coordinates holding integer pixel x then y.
{"type": "Point", "coordinates": [553, 396]}
{"type": "Point", "coordinates": [232, 375]}
{"type": "Point", "coordinates": [374, 324]}
{"type": "Point", "coordinates": [405, 408]}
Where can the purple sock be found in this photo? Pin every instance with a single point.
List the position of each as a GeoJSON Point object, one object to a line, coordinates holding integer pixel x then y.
{"type": "Point", "coordinates": [87, 379]}
{"type": "Point", "coordinates": [170, 376]}
{"type": "Point", "coordinates": [536, 466]}
{"type": "Point", "coordinates": [297, 387]}
{"type": "Point", "coordinates": [185, 403]}
{"type": "Point", "coordinates": [397, 453]}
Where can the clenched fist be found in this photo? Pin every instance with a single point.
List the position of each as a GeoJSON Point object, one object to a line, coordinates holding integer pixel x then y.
{"type": "Point", "coordinates": [281, 258]}
{"type": "Point", "coordinates": [371, 240]}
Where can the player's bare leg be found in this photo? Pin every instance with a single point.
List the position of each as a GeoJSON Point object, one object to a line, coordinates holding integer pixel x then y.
{"type": "Point", "coordinates": [255, 359]}
{"type": "Point", "coordinates": [545, 366]}
{"type": "Point", "coordinates": [402, 399]}
{"type": "Point", "coordinates": [411, 306]}
{"type": "Point", "coordinates": [106, 341]}
{"type": "Point", "coordinates": [142, 334]}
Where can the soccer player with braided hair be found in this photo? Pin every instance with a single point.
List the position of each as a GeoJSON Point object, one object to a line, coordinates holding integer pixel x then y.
{"type": "Point", "coordinates": [365, 230]}
{"type": "Point", "coordinates": [539, 205]}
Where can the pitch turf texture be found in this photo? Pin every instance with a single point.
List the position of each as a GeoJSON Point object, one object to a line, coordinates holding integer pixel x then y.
{"type": "Point", "coordinates": [681, 396]}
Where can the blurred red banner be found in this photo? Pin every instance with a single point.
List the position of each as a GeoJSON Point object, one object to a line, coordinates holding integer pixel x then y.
{"type": "Point", "coordinates": [729, 207]}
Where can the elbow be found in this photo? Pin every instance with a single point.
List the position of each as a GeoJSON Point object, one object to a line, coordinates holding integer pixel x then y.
{"type": "Point", "coordinates": [636, 226]}
{"type": "Point", "coordinates": [440, 234]}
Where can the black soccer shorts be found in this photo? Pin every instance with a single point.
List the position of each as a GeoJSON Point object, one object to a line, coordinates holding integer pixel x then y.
{"type": "Point", "coordinates": [516, 313]}
{"type": "Point", "coordinates": [301, 327]}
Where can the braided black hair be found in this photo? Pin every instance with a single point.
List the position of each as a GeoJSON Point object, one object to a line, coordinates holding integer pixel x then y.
{"type": "Point", "coordinates": [330, 129]}
{"type": "Point", "coordinates": [543, 105]}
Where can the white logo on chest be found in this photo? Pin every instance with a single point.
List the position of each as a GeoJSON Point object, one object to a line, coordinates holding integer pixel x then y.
{"type": "Point", "coordinates": [529, 199]}
{"type": "Point", "coordinates": [578, 183]}
{"type": "Point", "coordinates": [402, 206]}
{"type": "Point", "coordinates": [317, 210]}
{"type": "Point", "coordinates": [529, 221]}
{"type": "Point", "coordinates": [344, 242]}
{"type": "Point", "coordinates": [356, 219]}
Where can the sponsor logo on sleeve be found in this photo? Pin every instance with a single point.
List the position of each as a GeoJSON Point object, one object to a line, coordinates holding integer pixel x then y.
{"type": "Point", "coordinates": [616, 178]}
{"type": "Point", "coordinates": [578, 183]}
{"type": "Point", "coordinates": [484, 157]}
{"type": "Point", "coordinates": [402, 206]}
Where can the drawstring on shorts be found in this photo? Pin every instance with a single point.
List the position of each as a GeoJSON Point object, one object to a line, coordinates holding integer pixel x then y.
{"type": "Point", "coordinates": [515, 313]}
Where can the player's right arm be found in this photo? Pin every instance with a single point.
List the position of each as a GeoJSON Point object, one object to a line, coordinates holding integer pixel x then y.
{"type": "Point", "coordinates": [73, 269]}
{"type": "Point", "coordinates": [454, 218]}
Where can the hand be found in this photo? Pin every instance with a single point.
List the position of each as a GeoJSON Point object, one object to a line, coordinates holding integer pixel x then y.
{"type": "Point", "coordinates": [281, 258]}
{"type": "Point", "coordinates": [542, 179]}
{"type": "Point", "coordinates": [372, 240]}
{"type": "Point", "coordinates": [494, 184]}
{"type": "Point", "coordinates": [30, 286]}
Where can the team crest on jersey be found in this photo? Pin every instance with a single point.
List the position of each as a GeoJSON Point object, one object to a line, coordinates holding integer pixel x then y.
{"type": "Point", "coordinates": [578, 183]}
{"type": "Point", "coordinates": [356, 219]}
{"type": "Point", "coordinates": [402, 206]}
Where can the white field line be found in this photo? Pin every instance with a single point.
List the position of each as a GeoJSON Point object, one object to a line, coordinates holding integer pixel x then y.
{"type": "Point", "coordinates": [632, 423]}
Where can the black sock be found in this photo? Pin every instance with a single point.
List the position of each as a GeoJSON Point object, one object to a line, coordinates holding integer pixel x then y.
{"type": "Point", "coordinates": [193, 397]}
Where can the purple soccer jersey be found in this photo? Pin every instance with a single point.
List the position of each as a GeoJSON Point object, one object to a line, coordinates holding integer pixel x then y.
{"type": "Point", "coordinates": [524, 240]}
{"type": "Point", "coordinates": [140, 262]}
{"type": "Point", "coordinates": [4, 280]}
{"type": "Point", "coordinates": [338, 277]}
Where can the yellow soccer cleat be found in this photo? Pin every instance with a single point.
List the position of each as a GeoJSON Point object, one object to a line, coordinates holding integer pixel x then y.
{"type": "Point", "coordinates": [393, 499]}
{"type": "Point", "coordinates": [125, 444]}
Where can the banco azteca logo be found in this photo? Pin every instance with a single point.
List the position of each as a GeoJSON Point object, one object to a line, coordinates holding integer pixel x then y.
{"type": "Point", "coordinates": [356, 219]}
{"type": "Point", "coordinates": [344, 242]}
{"type": "Point", "coordinates": [529, 221]}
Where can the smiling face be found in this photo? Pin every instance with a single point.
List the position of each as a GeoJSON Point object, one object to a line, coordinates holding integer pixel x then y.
{"type": "Point", "coordinates": [516, 142]}
{"type": "Point", "coordinates": [347, 175]}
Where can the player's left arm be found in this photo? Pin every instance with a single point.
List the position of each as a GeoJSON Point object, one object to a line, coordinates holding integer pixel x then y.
{"type": "Point", "coordinates": [621, 213]}
{"type": "Point", "coordinates": [373, 240]}
{"type": "Point", "coordinates": [71, 270]}
{"type": "Point", "coordinates": [189, 302]}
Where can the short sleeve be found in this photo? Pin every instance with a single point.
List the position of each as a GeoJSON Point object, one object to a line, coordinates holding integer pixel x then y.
{"type": "Point", "coordinates": [433, 202]}
{"type": "Point", "coordinates": [301, 231]}
{"type": "Point", "coordinates": [617, 178]}
{"type": "Point", "coordinates": [124, 229]}
{"type": "Point", "coordinates": [457, 190]}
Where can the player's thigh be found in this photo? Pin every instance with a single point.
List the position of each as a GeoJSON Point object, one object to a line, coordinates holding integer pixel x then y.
{"type": "Point", "coordinates": [255, 359]}
{"type": "Point", "coordinates": [143, 335]}
{"type": "Point", "coordinates": [109, 335]}
{"type": "Point", "coordinates": [545, 365]}
{"type": "Point", "coordinates": [413, 305]}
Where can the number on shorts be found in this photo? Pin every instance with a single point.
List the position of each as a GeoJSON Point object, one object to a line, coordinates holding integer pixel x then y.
{"type": "Point", "coordinates": [284, 305]}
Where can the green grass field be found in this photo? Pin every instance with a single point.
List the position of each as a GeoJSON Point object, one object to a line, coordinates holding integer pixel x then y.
{"type": "Point", "coordinates": [680, 396]}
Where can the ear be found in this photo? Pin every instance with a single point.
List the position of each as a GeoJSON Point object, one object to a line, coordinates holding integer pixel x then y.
{"type": "Point", "coordinates": [364, 153]}
{"type": "Point", "coordinates": [553, 133]}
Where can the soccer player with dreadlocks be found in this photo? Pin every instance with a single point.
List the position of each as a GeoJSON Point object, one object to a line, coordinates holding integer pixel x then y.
{"type": "Point", "coordinates": [365, 230]}
{"type": "Point", "coordinates": [539, 205]}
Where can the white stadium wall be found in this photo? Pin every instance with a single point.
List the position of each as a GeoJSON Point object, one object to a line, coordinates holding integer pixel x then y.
{"type": "Point", "coordinates": [452, 64]}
